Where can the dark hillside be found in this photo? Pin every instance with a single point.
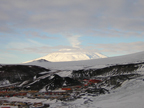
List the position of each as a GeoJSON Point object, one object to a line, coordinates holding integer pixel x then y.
{"type": "Point", "coordinates": [15, 73]}
{"type": "Point", "coordinates": [51, 82]}
{"type": "Point", "coordinates": [107, 71]}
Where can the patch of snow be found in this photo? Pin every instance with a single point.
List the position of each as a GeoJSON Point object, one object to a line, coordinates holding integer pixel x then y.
{"type": "Point", "coordinates": [43, 90]}
{"type": "Point", "coordinates": [25, 82]}
{"type": "Point", "coordinates": [65, 73]}
{"type": "Point", "coordinates": [34, 77]}
{"type": "Point", "coordinates": [51, 77]}
{"type": "Point", "coordinates": [43, 72]}
{"type": "Point", "coordinates": [5, 82]}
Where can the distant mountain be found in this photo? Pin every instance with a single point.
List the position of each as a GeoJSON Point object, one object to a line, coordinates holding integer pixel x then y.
{"type": "Point", "coordinates": [69, 56]}
{"type": "Point", "coordinates": [92, 63]}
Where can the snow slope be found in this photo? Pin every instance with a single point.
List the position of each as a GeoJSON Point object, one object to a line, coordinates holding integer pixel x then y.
{"type": "Point", "coordinates": [94, 63]}
{"type": "Point", "coordinates": [70, 56]}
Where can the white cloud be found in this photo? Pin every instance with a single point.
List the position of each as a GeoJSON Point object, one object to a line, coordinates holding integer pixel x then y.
{"type": "Point", "coordinates": [73, 16]}
{"type": "Point", "coordinates": [22, 45]}
{"type": "Point", "coordinates": [107, 18]}
{"type": "Point", "coordinates": [74, 40]}
{"type": "Point", "coordinates": [119, 48]}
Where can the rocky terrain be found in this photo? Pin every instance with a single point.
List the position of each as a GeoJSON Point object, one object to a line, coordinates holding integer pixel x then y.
{"type": "Point", "coordinates": [37, 78]}
{"type": "Point", "coordinates": [80, 80]}
{"type": "Point", "coordinates": [19, 73]}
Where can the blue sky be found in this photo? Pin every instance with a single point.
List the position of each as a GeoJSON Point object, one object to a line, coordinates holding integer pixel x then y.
{"type": "Point", "coordinates": [33, 28]}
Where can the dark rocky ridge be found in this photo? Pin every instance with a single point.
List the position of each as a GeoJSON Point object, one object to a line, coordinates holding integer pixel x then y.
{"type": "Point", "coordinates": [107, 71]}
{"type": "Point", "coordinates": [19, 73]}
{"type": "Point", "coordinates": [112, 76]}
{"type": "Point", "coordinates": [51, 83]}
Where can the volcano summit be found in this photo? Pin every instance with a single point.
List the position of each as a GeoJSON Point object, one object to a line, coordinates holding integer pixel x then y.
{"type": "Point", "coordinates": [69, 55]}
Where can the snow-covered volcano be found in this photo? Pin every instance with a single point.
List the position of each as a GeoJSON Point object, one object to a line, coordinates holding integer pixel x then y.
{"type": "Point", "coordinates": [70, 56]}
{"type": "Point", "coordinates": [92, 63]}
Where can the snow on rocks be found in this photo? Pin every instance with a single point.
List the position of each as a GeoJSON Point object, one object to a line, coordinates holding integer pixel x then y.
{"type": "Point", "coordinates": [130, 95]}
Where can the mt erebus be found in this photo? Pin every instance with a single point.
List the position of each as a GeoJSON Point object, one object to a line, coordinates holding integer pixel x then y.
{"type": "Point", "coordinates": [68, 55]}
